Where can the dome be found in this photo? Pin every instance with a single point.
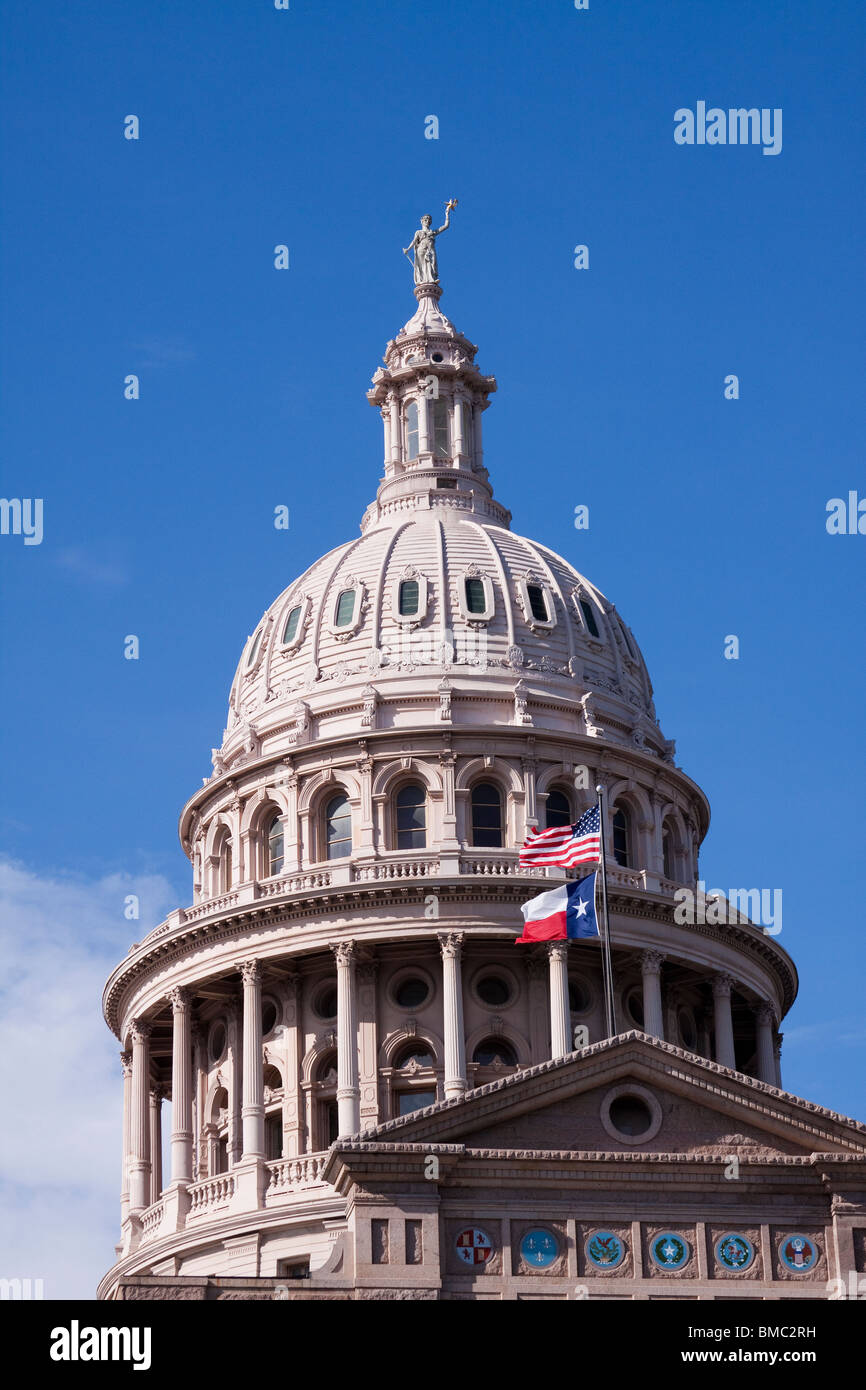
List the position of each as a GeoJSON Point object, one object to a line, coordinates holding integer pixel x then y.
{"type": "Point", "coordinates": [438, 609]}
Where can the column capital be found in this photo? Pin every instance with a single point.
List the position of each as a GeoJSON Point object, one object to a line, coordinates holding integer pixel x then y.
{"type": "Point", "coordinates": [557, 950]}
{"type": "Point", "coordinates": [451, 943]}
{"type": "Point", "coordinates": [180, 999]}
{"type": "Point", "coordinates": [722, 986]}
{"type": "Point", "coordinates": [344, 953]}
{"type": "Point", "coordinates": [158, 1092]}
{"type": "Point", "coordinates": [140, 1030]}
{"type": "Point", "coordinates": [126, 1063]}
{"type": "Point", "coordinates": [764, 1013]}
{"type": "Point", "coordinates": [251, 971]}
{"type": "Point", "coordinates": [651, 962]}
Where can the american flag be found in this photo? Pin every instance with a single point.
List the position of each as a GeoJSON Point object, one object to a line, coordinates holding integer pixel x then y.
{"type": "Point", "coordinates": [565, 845]}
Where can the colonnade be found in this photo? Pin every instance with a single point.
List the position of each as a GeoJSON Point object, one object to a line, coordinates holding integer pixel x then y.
{"type": "Point", "coordinates": [142, 1139]}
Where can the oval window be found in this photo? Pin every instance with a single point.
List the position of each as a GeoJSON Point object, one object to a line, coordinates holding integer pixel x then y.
{"type": "Point", "coordinates": [630, 1115]}
{"type": "Point", "coordinates": [493, 990]}
{"type": "Point", "coordinates": [412, 992]}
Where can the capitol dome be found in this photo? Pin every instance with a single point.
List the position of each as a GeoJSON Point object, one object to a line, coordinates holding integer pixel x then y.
{"type": "Point", "coordinates": [400, 716]}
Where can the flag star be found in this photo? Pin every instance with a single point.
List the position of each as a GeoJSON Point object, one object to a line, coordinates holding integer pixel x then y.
{"type": "Point", "coordinates": [581, 908]}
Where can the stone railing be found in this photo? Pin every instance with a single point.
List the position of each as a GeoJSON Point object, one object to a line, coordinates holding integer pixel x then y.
{"type": "Point", "coordinates": [625, 878]}
{"type": "Point", "coordinates": [295, 1174]}
{"type": "Point", "coordinates": [487, 862]}
{"type": "Point", "coordinates": [295, 883]}
{"type": "Point", "coordinates": [225, 900]}
{"type": "Point", "coordinates": [151, 1220]}
{"type": "Point", "coordinates": [391, 868]}
{"type": "Point", "coordinates": [206, 1196]}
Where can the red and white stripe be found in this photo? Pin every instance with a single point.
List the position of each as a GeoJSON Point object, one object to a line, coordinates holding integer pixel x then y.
{"type": "Point", "coordinates": [559, 846]}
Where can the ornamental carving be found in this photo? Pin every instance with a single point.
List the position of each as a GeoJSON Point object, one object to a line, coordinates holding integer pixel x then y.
{"type": "Point", "coordinates": [251, 971]}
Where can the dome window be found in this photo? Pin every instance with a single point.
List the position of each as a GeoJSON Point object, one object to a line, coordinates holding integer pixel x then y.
{"type": "Point", "coordinates": [494, 991]}
{"type": "Point", "coordinates": [537, 603]}
{"type": "Point", "coordinates": [589, 618]}
{"type": "Point", "coordinates": [493, 1052]}
{"type": "Point", "coordinates": [338, 827]}
{"type": "Point", "coordinates": [475, 596]}
{"type": "Point", "coordinates": [275, 845]}
{"type": "Point", "coordinates": [628, 642]}
{"type": "Point", "coordinates": [409, 595]}
{"type": "Point", "coordinates": [411, 806]}
{"type": "Point", "coordinates": [411, 991]}
{"type": "Point", "coordinates": [412, 430]}
{"type": "Point", "coordinates": [621, 836]}
{"type": "Point", "coordinates": [345, 608]}
{"type": "Point", "coordinates": [290, 631]}
{"type": "Point", "coordinates": [558, 809]}
{"type": "Point", "coordinates": [486, 816]}
{"type": "Point", "coordinates": [441, 432]}
{"type": "Point", "coordinates": [419, 1053]}
{"type": "Point", "coordinates": [254, 648]}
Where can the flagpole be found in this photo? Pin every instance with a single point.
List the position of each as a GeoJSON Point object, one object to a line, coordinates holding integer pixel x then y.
{"type": "Point", "coordinates": [607, 964]}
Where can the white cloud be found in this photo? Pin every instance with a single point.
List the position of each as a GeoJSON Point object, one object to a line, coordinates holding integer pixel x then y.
{"type": "Point", "coordinates": [60, 1072]}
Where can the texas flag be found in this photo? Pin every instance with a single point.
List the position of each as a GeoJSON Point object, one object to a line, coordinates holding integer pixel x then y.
{"type": "Point", "coordinates": [563, 914]}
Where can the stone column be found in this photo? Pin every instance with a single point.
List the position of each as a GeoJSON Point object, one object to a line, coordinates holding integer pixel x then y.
{"type": "Point", "coordinates": [396, 431]}
{"type": "Point", "coordinates": [139, 1118]}
{"type": "Point", "coordinates": [366, 849]}
{"type": "Point", "coordinates": [386, 420]}
{"type": "Point", "coordinates": [368, 1044]}
{"type": "Point", "coordinates": [292, 1118]}
{"type": "Point", "coordinates": [156, 1097]}
{"type": "Point", "coordinates": [724, 1025]}
{"type": "Point", "coordinates": [451, 947]}
{"type": "Point", "coordinates": [126, 1065]}
{"type": "Point", "coordinates": [528, 767]}
{"type": "Point", "coordinates": [653, 1015]}
{"type": "Point", "coordinates": [560, 1014]}
{"type": "Point", "coordinates": [253, 1110]}
{"type": "Point", "coordinates": [777, 1057]}
{"type": "Point", "coordinates": [348, 1091]}
{"type": "Point", "coordinates": [425, 441]}
{"type": "Point", "coordinates": [449, 842]}
{"type": "Point", "coordinates": [457, 447]}
{"type": "Point", "coordinates": [181, 1087]}
{"type": "Point", "coordinates": [764, 1038]}
{"type": "Point", "coordinates": [291, 857]}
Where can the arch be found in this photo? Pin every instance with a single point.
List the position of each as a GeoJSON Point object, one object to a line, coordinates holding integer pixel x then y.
{"type": "Point", "coordinates": [559, 806]}
{"type": "Point", "coordinates": [323, 1046]}
{"type": "Point", "coordinates": [257, 807]}
{"type": "Point", "coordinates": [494, 1050]}
{"type": "Point", "coordinates": [622, 834]}
{"type": "Point", "coordinates": [477, 769]}
{"type": "Point", "coordinates": [506, 1033]}
{"type": "Point", "coordinates": [387, 774]}
{"type": "Point", "coordinates": [317, 786]}
{"type": "Point", "coordinates": [392, 1046]}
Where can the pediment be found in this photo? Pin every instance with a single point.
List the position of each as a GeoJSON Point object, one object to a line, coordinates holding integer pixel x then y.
{"type": "Point", "coordinates": [696, 1107]}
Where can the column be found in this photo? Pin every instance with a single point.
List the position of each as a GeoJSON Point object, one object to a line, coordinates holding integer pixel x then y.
{"type": "Point", "coordinates": [348, 1092]}
{"type": "Point", "coordinates": [291, 858]}
{"type": "Point", "coordinates": [396, 431]}
{"type": "Point", "coordinates": [560, 1013]}
{"type": "Point", "coordinates": [723, 1022]}
{"type": "Point", "coordinates": [457, 447]}
{"type": "Point", "coordinates": [292, 1118]}
{"type": "Point", "coordinates": [253, 1109]}
{"type": "Point", "coordinates": [764, 1037]}
{"type": "Point", "coordinates": [528, 766]}
{"type": "Point", "coordinates": [366, 848]}
{"type": "Point", "coordinates": [156, 1097]}
{"type": "Point", "coordinates": [181, 1087]}
{"type": "Point", "coordinates": [651, 975]}
{"type": "Point", "coordinates": [424, 431]}
{"type": "Point", "coordinates": [139, 1118]}
{"type": "Point", "coordinates": [777, 1057]}
{"type": "Point", "coordinates": [386, 418]}
{"type": "Point", "coordinates": [451, 947]}
{"type": "Point", "coordinates": [126, 1065]}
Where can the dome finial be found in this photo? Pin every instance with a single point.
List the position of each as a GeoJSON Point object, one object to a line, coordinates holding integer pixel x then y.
{"type": "Point", "coordinates": [423, 247]}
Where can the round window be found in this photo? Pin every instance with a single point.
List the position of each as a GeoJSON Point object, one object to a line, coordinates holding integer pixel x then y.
{"type": "Point", "coordinates": [630, 1115]}
{"type": "Point", "coordinates": [493, 990]}
{"type": "Point", "coordinates": [411, 992]}
{"type": "Point", "coordinates": [578, 997]}
{"type": "Point", "coordinates": [269, 1016]}
{"type": "Point", "coordinates": [634, 1004]}
{"type": "Point", "coordinates": [217, 1041]}
{"type": "Point", "coordinates": [326, 1002]}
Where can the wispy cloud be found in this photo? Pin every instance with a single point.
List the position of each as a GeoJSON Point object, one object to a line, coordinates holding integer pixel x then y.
{"type": "Point", "coordinates": [163, 352]}
{"type": "Point", "coordinates": [87, 565]}
{"type": "Point", "coordinates": [59, 1071]}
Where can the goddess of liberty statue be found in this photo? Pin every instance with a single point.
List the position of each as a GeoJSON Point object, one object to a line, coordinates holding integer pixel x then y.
{"type": "Point", "coordinates": [423, 247]}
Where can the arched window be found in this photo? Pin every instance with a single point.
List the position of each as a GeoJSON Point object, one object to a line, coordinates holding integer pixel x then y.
{"type": "Point", "coordinates": [558, 810]}
{"type": "Point", "coordinates": [254, 648]}
{"type": "Point", "coordinates": [409, 598]}
{"type": "Point", "coordinates": [345, 609]}
{"type": "Point", "coordinates": [338, 827]}
{"type": "Point", "coordinates": [667, 851]}
{"type": "Point", "coordinates": [414, 1087]}
{"type": "Point", "coordinates": [621, 835]}
{"type": "Point", "coordinates": [441, 433]}
{"type": "Point", "coordinates": [537, 602]}
{"type": "Point", "coordinates": [275, 845]}
{"type": "Point", "coordinates": [588, 612]}
{"type": "Point", "coordinates": [412, 430]}
{"type": "Point", "coordinates": [291, 628]}
{"type": "Point", "coordinates": [411, 806]}
{"type": "Point", "coordinates": [486, 816]}
{"type": "Point", "coordinates": [418, 1053]}
{"type": "Point", "coordinates": [326, 1111]}
{"type": "Point", "coordinates": [226, 870]}
{"type": "Point", "coordinates": [495, 1052]}
{"type": "Point", "coordinates": [476, 599]}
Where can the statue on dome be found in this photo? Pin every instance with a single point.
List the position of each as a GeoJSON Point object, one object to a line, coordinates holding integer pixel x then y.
{"type": "Point", "coordinates": [423, 247]}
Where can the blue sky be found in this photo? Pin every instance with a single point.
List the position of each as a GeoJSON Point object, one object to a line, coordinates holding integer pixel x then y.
{"type": "Point", "coordinates": [306, 127]}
